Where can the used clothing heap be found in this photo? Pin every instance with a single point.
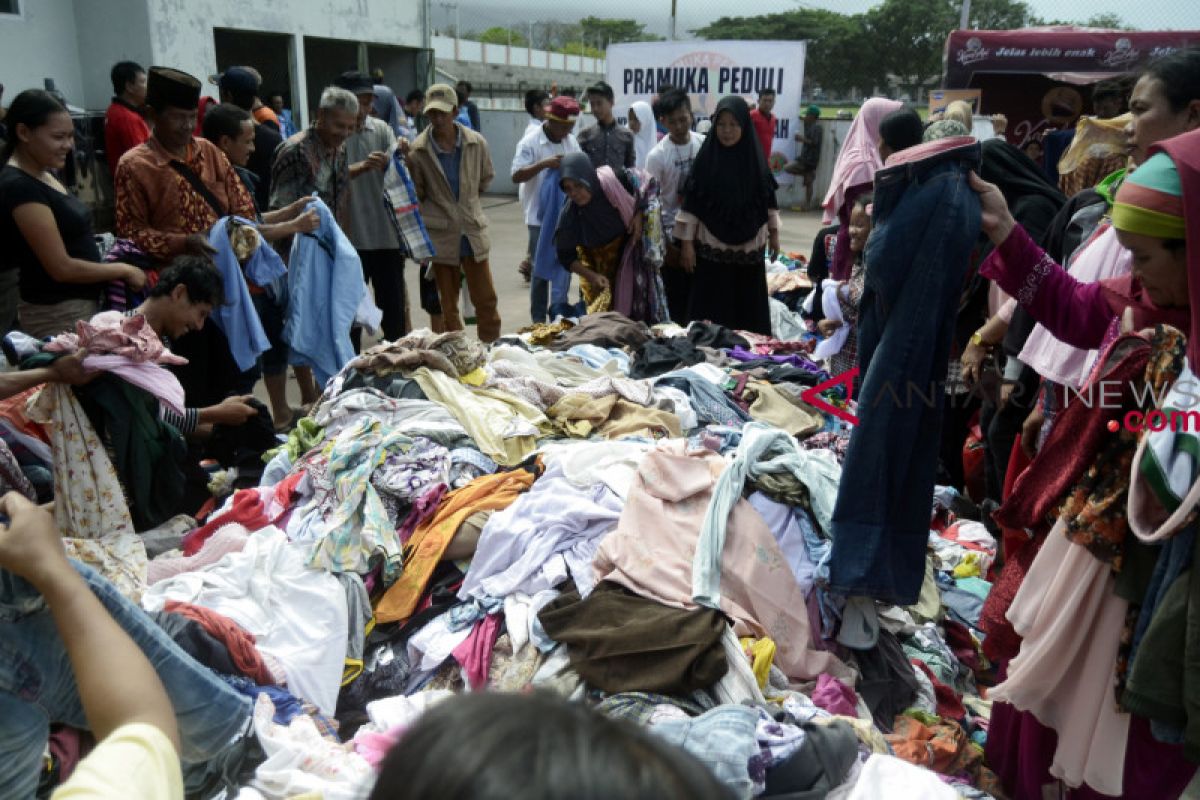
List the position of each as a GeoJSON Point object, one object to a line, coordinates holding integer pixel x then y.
{"type": "Point", "coordinates": [653, 540]}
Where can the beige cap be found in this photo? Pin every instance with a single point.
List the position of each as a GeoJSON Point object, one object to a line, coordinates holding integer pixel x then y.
{"type": "Point", "coordinates": [441, 97]}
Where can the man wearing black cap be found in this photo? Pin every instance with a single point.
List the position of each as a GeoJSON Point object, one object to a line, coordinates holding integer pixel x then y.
{"type": "Point", "coordinates": [172, 188]}
{"type": "Point", "coordinates": [606, 142]}
{"type": "Point", "coordinates": [371, 232]}
{"type": "Point", "coordinates": [239, 86]}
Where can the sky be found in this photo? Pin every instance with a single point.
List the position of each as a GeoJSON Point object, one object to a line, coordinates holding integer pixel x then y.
{"type": "Point", "coordinates": [655, 14]}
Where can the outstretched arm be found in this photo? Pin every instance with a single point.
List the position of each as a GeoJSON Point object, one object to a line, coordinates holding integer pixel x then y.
{"type": "Point", "coordinates": [117, 684]}
{"type": "Point", "coordinates": [1076, 313]}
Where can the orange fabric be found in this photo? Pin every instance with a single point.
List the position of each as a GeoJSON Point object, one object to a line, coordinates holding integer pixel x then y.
{"type": "Point", "coordinates": [12, 409]}
{"type": "Point", "coordinates": [264, 114]}
{"type": "Point", "coordinates": [429, 541]}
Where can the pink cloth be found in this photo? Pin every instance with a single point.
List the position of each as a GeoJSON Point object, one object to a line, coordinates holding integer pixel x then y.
{"type": "Point", "coordinates": [858, 159]}
{"type": "Point", "coordinates": [1071, 620]}
{"type": "Point", "coordinates": [474, 654]}
{"type": "Point", "coordinates": [835, 696]}
{"type": "Point", "coordinates": [113, 333]}
{"type": "Point", "coordinates": [156, 380]}
{"type": "Point", "coordinates": [373, 747]}
{"type": "Point", "coordinates": [129, 348]}
{"type": "Point", "coordinates": [229, 539]}
{"type": "Point", "coordinates": [1103, 257]}
{"type": "Point", "coordinates": [910, 155]}
{"type": "Point", "coordinates": [652, 550]}
{"type": "Point", "coordinates": [621, 200]}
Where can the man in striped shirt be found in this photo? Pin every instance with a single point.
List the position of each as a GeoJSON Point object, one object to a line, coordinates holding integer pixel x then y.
{"type": "Point", "coordinates": [179, 303]}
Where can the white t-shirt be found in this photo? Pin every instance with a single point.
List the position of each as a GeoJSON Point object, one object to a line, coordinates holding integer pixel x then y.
{"type": "Point", "coordinates": [533, 147]}
{"type": "Point", "coordinates": [669, 164]}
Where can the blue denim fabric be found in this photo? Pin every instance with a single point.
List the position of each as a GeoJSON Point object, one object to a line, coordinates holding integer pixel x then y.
{"type": "Point", "coordinates": [723, 739]}
{"type": "Point", "coordinates": [37, 684]}
{"type": "Point", "coordinates": [926, 221]}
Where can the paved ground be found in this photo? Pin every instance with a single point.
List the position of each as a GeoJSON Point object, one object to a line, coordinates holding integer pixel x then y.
{"type": "Point", "coordinates": [509, 238]}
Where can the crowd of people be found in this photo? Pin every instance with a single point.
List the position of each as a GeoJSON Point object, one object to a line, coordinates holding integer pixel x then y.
{"type": "Point", "coordinates": [895, 519]}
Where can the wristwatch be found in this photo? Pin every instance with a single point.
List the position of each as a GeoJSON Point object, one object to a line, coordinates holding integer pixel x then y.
{"type": "Point", "coordinates": [977, 340]}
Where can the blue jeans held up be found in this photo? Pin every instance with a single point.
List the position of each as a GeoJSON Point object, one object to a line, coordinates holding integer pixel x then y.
{"type": "Point", "coordinates": [926, 221]}
{"type": "Point", "coordinates": [37, 684]}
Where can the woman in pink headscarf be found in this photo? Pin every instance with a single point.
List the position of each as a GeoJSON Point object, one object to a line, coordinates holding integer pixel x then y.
{"type": "Point", "coordinates": [854, 174]}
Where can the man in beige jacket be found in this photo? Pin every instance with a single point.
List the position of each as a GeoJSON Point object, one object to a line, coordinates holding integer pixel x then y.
{"type": "Point", "coordinates": [451, 166]}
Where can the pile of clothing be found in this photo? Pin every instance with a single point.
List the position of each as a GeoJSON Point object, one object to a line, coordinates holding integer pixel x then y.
{"type": "Point", "coordinates": [636, 518]}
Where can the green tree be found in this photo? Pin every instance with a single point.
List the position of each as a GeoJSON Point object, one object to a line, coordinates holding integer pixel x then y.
{"type": "Point", "coordinates": [498, 35]}
{"type": "Point", "coordinates": [581, 49]}
{"type": "Point", "coordinates": [612, 31]}
{"type": "Point", "coordinates": [836, 44]}
{"type": "Point", "coordinates": [909, 36]}
{"type": "Point", "coordinates": [1110, 20]}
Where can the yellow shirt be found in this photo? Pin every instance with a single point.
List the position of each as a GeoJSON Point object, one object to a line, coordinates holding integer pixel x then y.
{"type": "Point", "coordinates": [134, 761]}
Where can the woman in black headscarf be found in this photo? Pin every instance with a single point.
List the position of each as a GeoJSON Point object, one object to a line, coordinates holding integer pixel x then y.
{"type": "Point", "coordinates": [729, 213]}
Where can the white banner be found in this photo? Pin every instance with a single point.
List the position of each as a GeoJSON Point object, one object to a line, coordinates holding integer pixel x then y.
{"type": "Point", "coordinates": [708, 71]}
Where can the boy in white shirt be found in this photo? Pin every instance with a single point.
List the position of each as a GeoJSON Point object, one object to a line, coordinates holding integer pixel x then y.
{"type": "Point", "coordinates": [539, 150]}
{"type": "Point", "coordinates": [669, 163]}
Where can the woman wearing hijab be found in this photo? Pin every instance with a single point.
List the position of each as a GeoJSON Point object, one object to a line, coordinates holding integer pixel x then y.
{"type": "Point", "coordinates": [854, 174]}
{"type": "Point", "coordinates": [601, 237]}
{"type": "Point", "coordinates": [1087, 621]}
{"type": "Point", "coordinates": [729, 213]}
{"type": "Point", "coordinates": [645, 134]}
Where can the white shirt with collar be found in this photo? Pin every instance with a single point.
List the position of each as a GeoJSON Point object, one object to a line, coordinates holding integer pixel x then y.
{"type": "Point", "coordinates": [534, 147]}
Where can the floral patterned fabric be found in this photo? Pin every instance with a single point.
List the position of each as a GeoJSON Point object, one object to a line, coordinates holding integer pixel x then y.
{"type": "Point", "coordinates": [89, 505]}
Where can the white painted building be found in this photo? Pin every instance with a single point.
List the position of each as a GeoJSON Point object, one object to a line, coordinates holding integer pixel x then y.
{"type": "Point", "coordinates": [299, 46]}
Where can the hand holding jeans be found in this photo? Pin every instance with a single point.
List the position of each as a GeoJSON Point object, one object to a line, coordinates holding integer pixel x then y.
{"type": "Point", "coordinates": [995, 218]}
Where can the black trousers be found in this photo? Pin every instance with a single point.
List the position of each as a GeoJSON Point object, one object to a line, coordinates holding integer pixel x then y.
{"type": "Point", "coordinates": [384, 270]}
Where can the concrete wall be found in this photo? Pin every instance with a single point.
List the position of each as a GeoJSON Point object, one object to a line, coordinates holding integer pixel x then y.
{"type": "Point", "coordinates": [447, 48]}
{"type": "Point", "coordinates": [41, 43]}
{"type": "Point", "coordinates": [108, 32]}
{"type": "Point", "coordinates": [181, 30]}
{"type": "Point", "coordinates": [503, 130]}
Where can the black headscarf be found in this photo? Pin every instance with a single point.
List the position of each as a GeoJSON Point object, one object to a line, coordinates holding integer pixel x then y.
{"type": "Point", "coordinates": [1016, 175]}
{"type": "Point", "coordinates": [593, 225]}
{"type": "Point", "coordinates": [730, 188]}
{"type": "Point", "coordinates": [1033, 201]}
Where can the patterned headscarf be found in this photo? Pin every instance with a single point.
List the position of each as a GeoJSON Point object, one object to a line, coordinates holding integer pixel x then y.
{"type": "Point", "coordinates": [1150, 201]}
{"type": "Point", "coordinates": [944, 129]}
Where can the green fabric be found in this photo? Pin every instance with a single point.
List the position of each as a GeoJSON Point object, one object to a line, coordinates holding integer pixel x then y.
{"type": "Point", "coordinates": [1108, 187]}
{"type": "Point", "coordinates": [1164, 679]}
{"type": "Point", "coordinates": [1143, 204]}
{"type": "Point", "coordinates": [304, 437]}
{"type": "Point", "coordinates": [928, 607]}
{"type": "Point", "coordinates": [1137, 569]}
{"type": "Point", "coordinates": [1157, 173]}
{"type": "Point", "coordinates": [1133, 219]}
{"type": "Point", "coordinates": [148, 453]}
